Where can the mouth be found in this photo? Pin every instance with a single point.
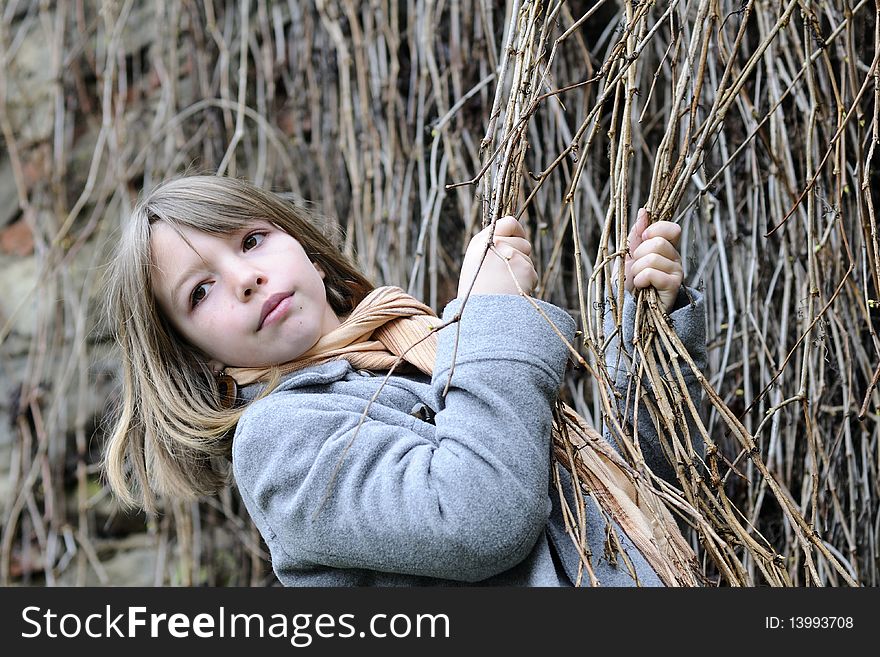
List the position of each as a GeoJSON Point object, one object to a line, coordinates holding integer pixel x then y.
{"type": "Point", "coordinates": [271, 304]}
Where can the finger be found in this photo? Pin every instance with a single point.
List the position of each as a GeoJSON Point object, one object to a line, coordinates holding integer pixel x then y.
{"type": "Point", "coordinates": [519, 266]}
{"type": "Point", "coordinates": [635, 233]}
{"type": "Point", "coordinates": [507, 252]}
{"type": "Point", "coordinates": [503, 251]}
{"type": "Point", "coordinates": [532, 280]}
{"type": "Point", "coordinates": [518, 243]}
{"type": "Point", "coordinates": [525, 274]}
{"type": "Point", "coordinates": [658, 245]}
{"type": "Point", "coordinates": [509, 227]}
{"type": "Point", "coordinates": [661, 280]}
{"type": "Point", "coordinates": [654, 261]}
{"type": "Point", "coordinates": [665, 229]}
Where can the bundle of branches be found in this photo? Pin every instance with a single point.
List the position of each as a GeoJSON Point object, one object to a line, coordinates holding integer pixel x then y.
{"type": "Point", "coordinates": [709, 77]}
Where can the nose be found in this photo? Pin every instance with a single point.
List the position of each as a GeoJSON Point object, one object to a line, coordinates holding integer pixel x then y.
{"type": "Point", "coordinates": [248, 282]}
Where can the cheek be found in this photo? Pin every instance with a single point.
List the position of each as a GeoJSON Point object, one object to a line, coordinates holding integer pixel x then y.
{"type": "Point", "coordinates": [217, 322]}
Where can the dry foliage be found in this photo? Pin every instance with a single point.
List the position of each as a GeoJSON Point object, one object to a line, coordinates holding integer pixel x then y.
{"type": "Point", "coordinates": [753, 124]}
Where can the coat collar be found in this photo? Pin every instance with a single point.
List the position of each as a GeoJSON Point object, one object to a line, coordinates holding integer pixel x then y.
{"type": "Point", "coordinates": [322, 374]}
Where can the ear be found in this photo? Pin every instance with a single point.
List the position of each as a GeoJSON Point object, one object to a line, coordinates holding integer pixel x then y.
{"type": "Point", "coordinates": [319, 269]}
{"type": "Point", "coordinates": [216, 366]}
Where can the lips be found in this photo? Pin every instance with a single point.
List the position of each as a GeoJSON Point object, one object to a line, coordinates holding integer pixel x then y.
{"type": "Point", "coordinates": [271, 304]}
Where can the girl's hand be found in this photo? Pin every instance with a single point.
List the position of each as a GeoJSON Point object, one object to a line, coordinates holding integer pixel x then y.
{"type": "Point", "coordinates": [511, 247]}
{"type": "Point", "coordinates": [653, 259]}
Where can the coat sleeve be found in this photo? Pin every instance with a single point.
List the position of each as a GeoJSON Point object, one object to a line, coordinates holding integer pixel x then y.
{"type": "Point", "coordinates": [688, 320]}
{"type": "Point", "coordinates": [337, 491]}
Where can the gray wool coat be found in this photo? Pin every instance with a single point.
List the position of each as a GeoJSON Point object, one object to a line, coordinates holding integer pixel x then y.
{"type": "Point", "coordinates": [416, 489]}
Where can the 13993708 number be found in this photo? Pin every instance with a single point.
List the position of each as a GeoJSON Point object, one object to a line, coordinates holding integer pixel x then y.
{"type": "Point", "coordinates": [820, 622]}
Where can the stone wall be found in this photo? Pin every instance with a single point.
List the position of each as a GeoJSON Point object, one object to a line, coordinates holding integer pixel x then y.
{"type": "Point", "coordinates": [59, 370]}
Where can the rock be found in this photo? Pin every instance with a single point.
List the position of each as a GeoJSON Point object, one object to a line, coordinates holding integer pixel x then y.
{"type": "Point", "coordinates": [127, 562]}
{"type": "Point", "coordinates": [17, 239]}
{"type": "Point", "coordinates": [10, 385]}
{"type": "Point", "coordinates": [30, 89]}
{"type": "Point", "coordinates": [140, 29]}
{"type": "Point", "coordinates": [6, 491]}
{"type": "Point", "coordinates": [18, 280]}
{"type": "Point", "coordinates": [9, 207]}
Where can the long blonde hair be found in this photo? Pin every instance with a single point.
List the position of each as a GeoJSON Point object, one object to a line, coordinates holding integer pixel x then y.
{"type": "Point", "coordinates": [172, 436]}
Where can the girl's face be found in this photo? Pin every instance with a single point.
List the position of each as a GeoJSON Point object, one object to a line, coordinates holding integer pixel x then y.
{"type": "Point", "coordinates": [249, 299]}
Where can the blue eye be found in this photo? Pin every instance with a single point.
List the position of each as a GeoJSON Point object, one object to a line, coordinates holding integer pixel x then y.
{"type": "Point", "coordinates": [199, 293]}
{"type": "Point", "coordinates": [252, 241]}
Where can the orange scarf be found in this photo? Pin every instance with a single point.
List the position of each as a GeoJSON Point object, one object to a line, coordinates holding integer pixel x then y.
{"type": "Point", "coordinates": [389, 324]}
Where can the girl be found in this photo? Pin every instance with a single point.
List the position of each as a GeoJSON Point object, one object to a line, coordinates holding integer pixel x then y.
{"type": "Point", "coordinates": [247, 336]}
